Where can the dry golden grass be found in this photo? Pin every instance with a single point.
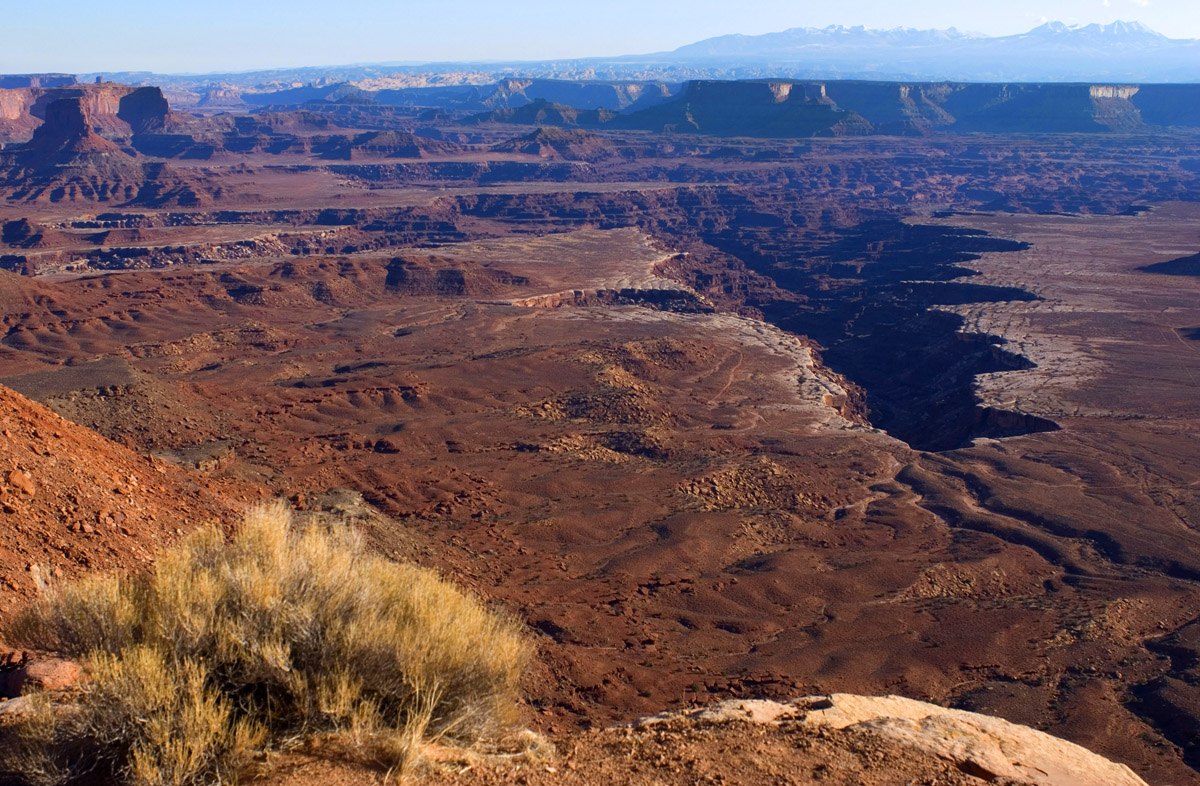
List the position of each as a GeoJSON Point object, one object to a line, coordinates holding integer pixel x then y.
{"type": "Point", "coordinates": [277, 638]}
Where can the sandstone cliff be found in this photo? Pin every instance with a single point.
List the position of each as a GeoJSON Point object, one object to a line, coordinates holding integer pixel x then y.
{"type": "Point", "coordinates": [67, 160]}
{"type": "Point", "coordinates": [8, 81]}
{"type": "Point", "coordinates": [114, 111]}
{"type": "Point", "coordinates": [783, 108]}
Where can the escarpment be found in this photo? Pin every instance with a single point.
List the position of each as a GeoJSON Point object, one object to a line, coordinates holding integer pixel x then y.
{"type": "Point", "coordinates": [786, 108]}
{"type": "Point", "coordinates": [850, 107]}
{"type": "Point", "coordinates": [114, 111]}
{"type": "Point", "coordinates": [67, 160]}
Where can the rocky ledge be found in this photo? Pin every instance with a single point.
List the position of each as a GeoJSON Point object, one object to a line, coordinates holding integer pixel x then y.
{"type": "Point", "coordinates": [981, 746]}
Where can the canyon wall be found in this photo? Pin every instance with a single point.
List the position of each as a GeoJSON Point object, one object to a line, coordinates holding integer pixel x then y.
{"type": "Point", "coordinates": [115, 110]}
{"type": "Point", "coordinates": [781, 108]}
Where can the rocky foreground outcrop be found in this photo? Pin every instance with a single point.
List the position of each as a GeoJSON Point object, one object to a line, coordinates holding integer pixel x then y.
{"type": "Point", "coordinates": [838, 740]}
{"type": "Point", "coordinates": [72, 501]}
{"type": "Point", "coordinates": [982, 746]}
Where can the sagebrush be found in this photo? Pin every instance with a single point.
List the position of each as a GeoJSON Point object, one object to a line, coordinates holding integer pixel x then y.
{"type": "Point", "coordinates": [280, 636]}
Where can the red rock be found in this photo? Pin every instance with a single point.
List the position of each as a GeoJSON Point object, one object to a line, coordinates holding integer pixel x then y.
{"type": "Point", "coordinates": [23, 482]}
{"type": "Point", "coordinates": [12, 659]}
{"type": "Point", "coordinates": [50, 674]}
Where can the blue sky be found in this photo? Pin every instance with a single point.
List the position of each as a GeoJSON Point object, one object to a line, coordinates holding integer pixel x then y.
{"type": "Point", "coordinates": [218, 35]}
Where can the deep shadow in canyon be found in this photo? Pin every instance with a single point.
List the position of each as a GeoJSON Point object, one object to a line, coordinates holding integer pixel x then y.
{"type": "Point", "coordinates": [870, 299]}
{"type": "Point", "coordinates": [1184, 266]}
{"type": "Point", "coordinates": [349, 351]}
{"type": "Point", "coordinates": [868, 294]}
{"type": "Point", "coordinates": [1168, 702]}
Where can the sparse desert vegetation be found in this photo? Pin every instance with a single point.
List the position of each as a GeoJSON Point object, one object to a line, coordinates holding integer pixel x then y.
{"type": "Point", "coordinates": [278, 638]}
{"type": "Point", "coordinates": [750, 417]}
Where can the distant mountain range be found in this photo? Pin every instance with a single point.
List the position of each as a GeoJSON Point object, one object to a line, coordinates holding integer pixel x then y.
{"type": "Point", "coordinates": [1127, 51]}
{"type": "Point", "coordinates": [1054, 52]}
{"type": "Point", "coordinates": [805, 41]}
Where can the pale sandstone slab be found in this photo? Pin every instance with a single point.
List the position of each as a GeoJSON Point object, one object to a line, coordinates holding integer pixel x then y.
{"type": "Point", "coordinates": [980, 745]}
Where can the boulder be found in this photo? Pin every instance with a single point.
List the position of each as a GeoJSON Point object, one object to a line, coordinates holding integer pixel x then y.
{"type": "Point", "coordinates": [14, 708]}
{"type": "Point", "coordinates": [979, 745]}
{"type": "Point", "coordinates": [47, 674]}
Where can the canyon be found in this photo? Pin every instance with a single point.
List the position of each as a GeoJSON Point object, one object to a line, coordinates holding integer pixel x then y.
{"type": "Point", "coordinates": [718, 414]}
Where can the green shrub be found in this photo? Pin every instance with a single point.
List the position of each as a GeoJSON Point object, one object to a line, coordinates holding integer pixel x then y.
{"type": "Point", "coordinates": [279, 637]}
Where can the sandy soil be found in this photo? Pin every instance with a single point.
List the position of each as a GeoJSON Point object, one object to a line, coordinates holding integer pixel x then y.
{"type": "Point", "coordinates": [682, 503]}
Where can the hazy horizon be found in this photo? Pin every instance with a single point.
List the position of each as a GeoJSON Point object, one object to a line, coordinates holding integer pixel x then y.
{"type": "Point", "coordinates": [216, 36]}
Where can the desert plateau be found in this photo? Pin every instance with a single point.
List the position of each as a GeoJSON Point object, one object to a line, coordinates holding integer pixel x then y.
{"type": "Point", "coordinates": [783, 429]}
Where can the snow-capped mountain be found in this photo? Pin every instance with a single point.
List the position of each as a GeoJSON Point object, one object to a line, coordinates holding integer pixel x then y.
{"type": "Point", "coordinates": [1116, 31]}
{"type": "Point", "coordinates": [1053, 51]}
{"type": "Point", "coordinates": [1121, 52]}
{"type": "Point", "coordinates": [800, 38]}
